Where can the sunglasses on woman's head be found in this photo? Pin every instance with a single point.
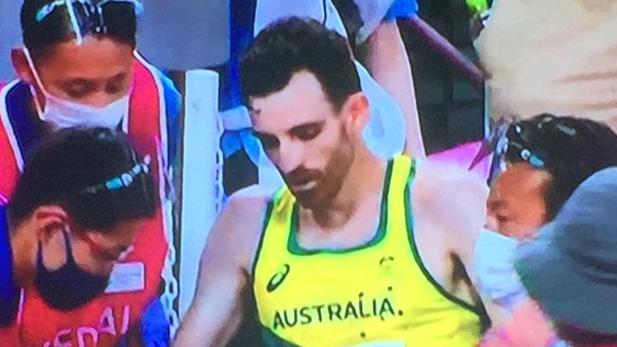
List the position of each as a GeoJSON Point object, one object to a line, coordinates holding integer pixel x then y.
{"type": "Point", "coordinates": [124, 180]}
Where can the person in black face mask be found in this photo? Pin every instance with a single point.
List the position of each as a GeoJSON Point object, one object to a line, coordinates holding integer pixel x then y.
{"type": "Point", "coordinates": [74, 213]}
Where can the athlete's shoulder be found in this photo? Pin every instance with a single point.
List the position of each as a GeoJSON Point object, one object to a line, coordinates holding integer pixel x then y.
{"type": "Point", "coordinates": [444, 184]}
{"type": "Point", "coordinates": [252, 198]}
{"type": "Point", "coordinates": [453, 199]}
{"type": "Point", "coordinates": [449, 175]}
{"type": "Point", "coordinates": [239, 225]}
{"type": "Point", "coordinates": [244, 211]}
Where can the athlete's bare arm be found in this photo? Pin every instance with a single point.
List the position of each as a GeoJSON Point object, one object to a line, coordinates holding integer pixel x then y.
{"type": "Point", "coordinates": [458, 200]}
{"type": "Point", "coordinates": [468, 219]}
{"type": "Point", "coordinates": [455, 201]}
{"type": "Point", "coordinates": [216, 311]}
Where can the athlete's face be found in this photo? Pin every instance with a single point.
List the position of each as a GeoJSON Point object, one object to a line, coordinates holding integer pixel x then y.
{"type": "Point", "coordinates": [516, 205]}
{"type": "Point", "coordinates": [96, 73]}
{"type": "Point", "coordinates": [307, 139]}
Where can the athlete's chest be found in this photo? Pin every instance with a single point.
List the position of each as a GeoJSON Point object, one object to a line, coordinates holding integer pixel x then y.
{"type": "Point", "coordinates": [353, 231]}
{"type": "Point", "coordinates": [358, 291]}
{"type": "Point", "coordinates": [347, 237]}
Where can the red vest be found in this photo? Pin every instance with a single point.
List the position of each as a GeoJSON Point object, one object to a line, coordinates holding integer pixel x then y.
{"type": "Point", "coordinates": [107, 318]}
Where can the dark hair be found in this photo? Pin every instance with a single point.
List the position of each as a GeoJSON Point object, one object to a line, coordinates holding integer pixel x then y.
{"type": "Point", "coordinates": [64, 165]}
{"type": "Point", "coordinates": [572, 149]}
{"type": "Point", "coordinates": [117, 20]}
{"type": "Point", "coordinates": [292, 45]}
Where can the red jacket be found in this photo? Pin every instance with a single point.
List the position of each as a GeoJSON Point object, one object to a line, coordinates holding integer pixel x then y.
{"type": "Point", "coordinates": [107, 318]}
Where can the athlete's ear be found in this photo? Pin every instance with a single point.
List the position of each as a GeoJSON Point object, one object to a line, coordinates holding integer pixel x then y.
{"type": "Point", "coordinates": [356, 107]}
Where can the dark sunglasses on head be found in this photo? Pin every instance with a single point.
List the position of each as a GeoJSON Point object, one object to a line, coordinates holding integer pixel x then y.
{"type": "Point", "coordinates": [512, 140]}
{"type": "Point", "coordinates": [519, 137]}
{"type": "Point", "coordinates": [516, 150]}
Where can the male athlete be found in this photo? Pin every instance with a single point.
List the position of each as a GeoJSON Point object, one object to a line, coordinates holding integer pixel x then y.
{"type": "Point", "coordinates": [354, 250]}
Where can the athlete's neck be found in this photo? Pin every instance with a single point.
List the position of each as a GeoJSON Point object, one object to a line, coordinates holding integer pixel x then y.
{"type": "Point", "coordinates": [364, 180]}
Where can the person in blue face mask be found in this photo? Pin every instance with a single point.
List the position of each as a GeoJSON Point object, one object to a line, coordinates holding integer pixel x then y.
{"type": "Point", "coordinates": [75, 212]}
{"type": "Point", "coordinates": [546, 158]}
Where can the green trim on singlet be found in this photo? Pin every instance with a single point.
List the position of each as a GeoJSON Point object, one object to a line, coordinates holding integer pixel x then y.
{"type": "Point", "coordinates": [416, 254]}
{"type": "Point", "coordinates": [295, 248]}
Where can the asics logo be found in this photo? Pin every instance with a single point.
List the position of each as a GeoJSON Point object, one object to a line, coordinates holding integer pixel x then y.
{"type": "Point", "coordinates": [278, 278]}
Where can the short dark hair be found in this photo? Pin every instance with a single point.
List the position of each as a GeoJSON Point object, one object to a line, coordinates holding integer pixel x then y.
{"type": "Point", "coordinates": [67, 162]}
{"type": "Point", "coordinates": [571, 148]}
{"type": "Point", "coordinates": [38, 33]}
{"type": "Point", "coordinates": [292, 45]}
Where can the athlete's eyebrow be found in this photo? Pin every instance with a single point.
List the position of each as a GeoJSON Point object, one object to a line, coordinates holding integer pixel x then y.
{"type": "Point", "coordinates": [311, 126]}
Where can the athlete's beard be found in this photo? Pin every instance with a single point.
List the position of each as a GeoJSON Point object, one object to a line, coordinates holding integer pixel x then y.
{"type": "Point", "coordinates": [329, 181]}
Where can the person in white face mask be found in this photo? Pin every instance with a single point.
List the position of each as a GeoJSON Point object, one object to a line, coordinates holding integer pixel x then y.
{"type": "Point", "coordinates": [59, 113]}
{"type": "Point", "coordinates": [78, 68]}
{"type": "Point", "coordinates": [82, 83]}
{"type": "Point", "coordinates": [516, 208]}
{"type": "Point", "coordinates": [546, 158]}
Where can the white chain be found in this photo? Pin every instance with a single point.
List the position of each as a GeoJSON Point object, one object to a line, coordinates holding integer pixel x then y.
{"type": "Point", "coordinates": [219, 191]}
{"type": "Point", "coordinates": [170, 291]}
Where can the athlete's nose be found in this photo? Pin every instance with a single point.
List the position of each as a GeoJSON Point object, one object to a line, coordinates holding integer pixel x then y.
{"type": "Point", "coordinates": [291, 154]}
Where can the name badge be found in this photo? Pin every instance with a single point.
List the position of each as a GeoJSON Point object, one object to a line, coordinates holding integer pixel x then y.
{"type": "Point", "coordinates": [126, 277]}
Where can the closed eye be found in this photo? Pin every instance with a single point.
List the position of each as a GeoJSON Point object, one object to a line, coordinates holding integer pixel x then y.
{"type": "Point", "coordinates": [307, 132]}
